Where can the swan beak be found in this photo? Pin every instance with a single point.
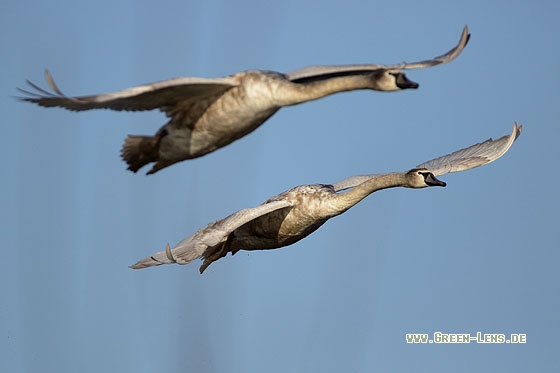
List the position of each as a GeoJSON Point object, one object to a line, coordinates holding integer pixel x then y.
{"type": "Point", "coordinates": [403, 82]}
{"type": "Point", "coordinates": [431, 180]}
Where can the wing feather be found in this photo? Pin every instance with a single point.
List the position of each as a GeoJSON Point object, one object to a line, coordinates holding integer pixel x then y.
{"type": "Point", "coordinates": [193, 247]}
{"type": "Point", "coordinates": [473, 156]}
{"type": "Point", "coordinates": [164, 95]}
{"type": "Point", "coordinates": [316, 72]}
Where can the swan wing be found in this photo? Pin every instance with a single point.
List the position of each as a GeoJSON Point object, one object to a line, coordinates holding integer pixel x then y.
{"type": "Point", "coordinates": [165, 95]}
{"type": "Point", "coordinates": [461, 160]}
{"type": "Point", "coordinates": [193, 247]}
{"type": "Point", "coordinates": [324, 72]}
{"type": "Point", "coordinates": [473, 156]}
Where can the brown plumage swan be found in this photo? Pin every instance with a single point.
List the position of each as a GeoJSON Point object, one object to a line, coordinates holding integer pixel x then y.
{"type": "Point", "coordinates": [293, 215]}
{"type": "Point", "coordinates": [207, 114]}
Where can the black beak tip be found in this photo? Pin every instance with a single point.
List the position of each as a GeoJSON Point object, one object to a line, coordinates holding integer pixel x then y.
{"type": "Point", "coordinates": [431, 180]}
{"type": "Point", "coordinates": [403, 82]}
{"type": "Point", "coordinates": [438, 183]}
{"type": "Point", "coordinates": [408, 84]}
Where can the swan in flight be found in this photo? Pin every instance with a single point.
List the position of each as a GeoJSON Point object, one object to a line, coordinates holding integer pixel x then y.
{"type": "Point", "coordinates": [207, 114]}
{"type": "Point", "coordinates": [290, 216]}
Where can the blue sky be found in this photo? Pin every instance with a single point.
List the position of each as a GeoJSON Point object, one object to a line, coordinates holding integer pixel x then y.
{"type": "Point", "coordinates": [478, 256]}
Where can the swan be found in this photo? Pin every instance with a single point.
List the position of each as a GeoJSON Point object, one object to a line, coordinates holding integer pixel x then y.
{"type": "Point", "coordinates": [207, 114]}
{"type": "Point", "coordinates": [290, 216]}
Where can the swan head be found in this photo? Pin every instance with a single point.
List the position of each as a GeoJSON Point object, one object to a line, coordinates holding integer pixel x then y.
{"type": "Point", "coordinates": [422, 178]}
{"type": "Point", "coordinates": [393, 80]}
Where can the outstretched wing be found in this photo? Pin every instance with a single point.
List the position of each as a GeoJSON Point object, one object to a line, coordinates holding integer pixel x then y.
{"type": "Point", "coordinates": [193, 247]}
{"type": "Point", "coordinates": [461, 160]}
{"type": "Point", "coordinates": [323, 72]}
{"type": "Point", "coordinates": [473, 156]}
{"type": "Point", "coordinates": [165, 95]}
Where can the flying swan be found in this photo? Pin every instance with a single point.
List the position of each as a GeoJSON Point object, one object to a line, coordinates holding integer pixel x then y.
{"type": "Point", "coordinates": [290, 216]}
{"type": "Point", "coordinates": [207, 114]}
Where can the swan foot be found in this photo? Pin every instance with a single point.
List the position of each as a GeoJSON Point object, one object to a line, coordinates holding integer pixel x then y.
{"type": "Point", "coordinates": [217, 253]}
{"type": "Point", "coordinates": [211, 258]}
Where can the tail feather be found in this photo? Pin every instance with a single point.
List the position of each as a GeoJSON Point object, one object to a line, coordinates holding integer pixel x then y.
{"type": "Point", "coordinates": [138, 151]}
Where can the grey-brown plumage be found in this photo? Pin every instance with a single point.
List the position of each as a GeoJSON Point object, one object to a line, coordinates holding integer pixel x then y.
{"type": "Point", "coordinates": [207, 114]}
{"type": "Point", "coordinates": [293, 215]}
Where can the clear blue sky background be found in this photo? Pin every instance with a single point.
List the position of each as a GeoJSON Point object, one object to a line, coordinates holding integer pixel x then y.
{"type": "Point", "coordinates": [478, 256]}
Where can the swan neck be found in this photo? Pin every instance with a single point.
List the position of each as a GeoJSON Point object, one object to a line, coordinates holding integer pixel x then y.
{"type": "Point", "coordinates": [346, 200]}
{"type": "Point", "coordinates": [303, 92]}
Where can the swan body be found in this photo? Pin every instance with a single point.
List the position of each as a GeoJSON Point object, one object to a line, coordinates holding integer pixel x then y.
{"type": "Point", "coordinates": [207, 114]}
{"type": "Point", "coordinates": [290, 216]}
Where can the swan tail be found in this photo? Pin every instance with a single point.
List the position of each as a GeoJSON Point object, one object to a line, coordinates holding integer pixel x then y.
{"type": "Point", "coordinates": [138, 151]}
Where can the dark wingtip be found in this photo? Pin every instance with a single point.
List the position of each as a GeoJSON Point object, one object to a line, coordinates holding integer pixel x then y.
{"type": "Point", "coordinates": [466, 31]}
